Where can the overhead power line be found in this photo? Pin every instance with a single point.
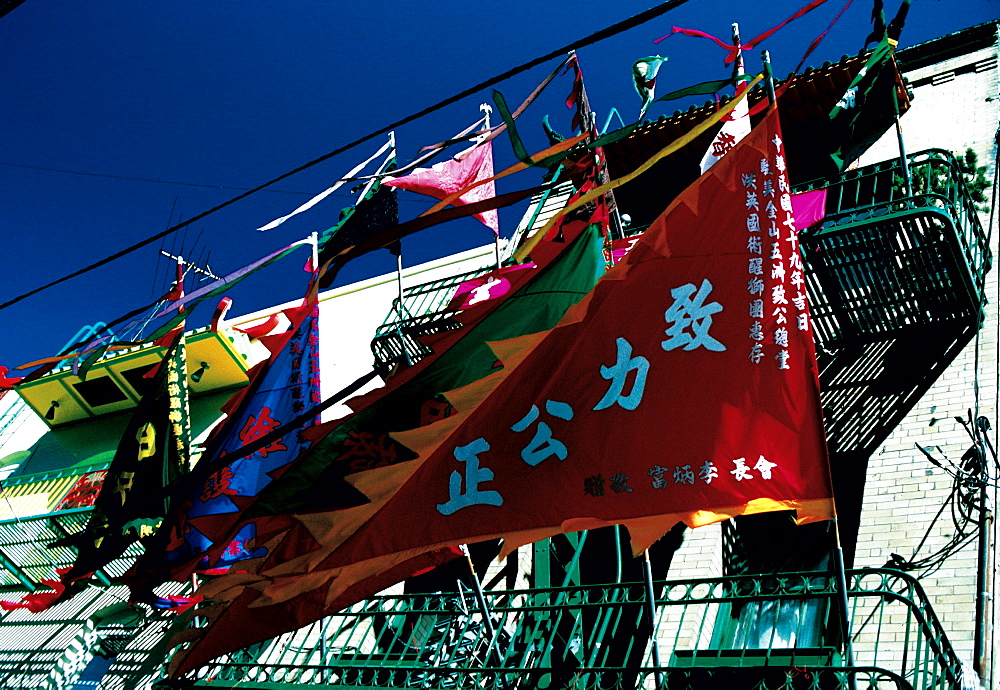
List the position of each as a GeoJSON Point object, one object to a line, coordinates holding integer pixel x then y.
{"type": "Point", "coordinates": [142, 179]}
{"type": "Point", "coordinates": [595, 37]}
{"type": "Point", "coordinates": [132, 178]}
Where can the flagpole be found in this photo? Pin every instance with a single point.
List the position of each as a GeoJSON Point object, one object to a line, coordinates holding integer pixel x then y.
{"type": "Point", "coordinates": [845, 620]}
{"type": "Point", "coordinates": [903, 160]}
{"type": "Point", "coordinates": [651, 613]}
{"type": "Point", "coordinates": [397, 249]}
{"type": "Point", "coordinates": [314, 241]}
{"type": "Point", "coordinates": [768, 78]}
{"type": "Point", "coordinates": [738, 67]}
{"type": "Point", "coordinates": [486, 109]}
{"type": "Point", "coordinates": [480, 598]}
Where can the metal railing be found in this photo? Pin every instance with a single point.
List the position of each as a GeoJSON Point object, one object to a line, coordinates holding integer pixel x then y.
{"type": "Point", "coordinates": [900, 247]}
{"type": "Point", "coordinates": [759, 630]}
{"type": "Point", "coordinates": [425, 310]}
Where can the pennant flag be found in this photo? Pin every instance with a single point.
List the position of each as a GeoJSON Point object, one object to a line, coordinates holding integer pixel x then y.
{"type": "Point", "coordinates": [538, 298]}
{"type": "Point", "coordinates": [879, 28]}
{"type": "Point", "coordinates": [809, 207]}
{"type": "Point", "coordinates": [388, 238]}
{"type": "Point", "coordinates": [578, 97]}
{"type": "Point", "coordinates": [305, 515]}
{"type": "Point", "coordinates": [37, 602]}
{"type": "Point", "coordinates": [152, 455]}
{"type": "Point", "coordinates": [282, 388]}
{"type": "Point", "coordinates": [730, 134]}
{"type": "Point", "coordinates": [737, 126]}
{"type": "Point", "coordinates": [734, 51]}
{"type": "Point", "coordinates": [377, 212]}
{"type": "Point", "coordinates": [389, 146]}
{"type": "Point", "coordinates": [644, 77]}
{"type": "Point", "coordinates": [683, 388]}
{"type": "Point", "coordinates": [873, 84]}
{"type": "Point", "coordinates": [494, 285]}
{"type": "Point", "coordinates": [683, 140]}
{"type": "Point", "coordinates": [705, 88]}
{"type": "Point", "coordinates": [697, 404]}
{"type": "Point", "coordinates": [443, 179]}
{"type": "Point", "coordinates": [8, 382]}
{"type": "Point", "coordinates": [616, 250]}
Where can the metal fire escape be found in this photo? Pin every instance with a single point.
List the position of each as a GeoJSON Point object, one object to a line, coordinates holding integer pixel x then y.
{"type": "Point", "coordinates": [896, 275]}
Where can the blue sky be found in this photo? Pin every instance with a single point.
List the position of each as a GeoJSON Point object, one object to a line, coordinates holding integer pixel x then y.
{"type": "Point", "coordinates": [101, 99]}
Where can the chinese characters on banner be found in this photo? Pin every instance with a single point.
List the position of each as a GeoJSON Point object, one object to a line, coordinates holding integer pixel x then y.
{"type": "Point", "coordinates": [775, 283]}
{"type": "Point", "coordinates": [289, 386]}
{"type": "Point", "coordinates": [677, 390]}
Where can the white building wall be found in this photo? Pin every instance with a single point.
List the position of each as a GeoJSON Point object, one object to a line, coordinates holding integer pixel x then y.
{"type": "Point", "coordinates": [350, 315]}
{"type": "Point", "coordinates": [903, 490]}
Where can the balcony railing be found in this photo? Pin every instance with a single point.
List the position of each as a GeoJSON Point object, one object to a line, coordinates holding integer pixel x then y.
{"type": "Point", "coordinates": [896, 278]}
{"type": "Point", "coordinates": [425, 310]}
{"type": "Point", "coordinates": [748, 631]}
{"type": "Point", "coordinates": [892, 254]}
{"type": "Point", "coordinates": [425, 307]}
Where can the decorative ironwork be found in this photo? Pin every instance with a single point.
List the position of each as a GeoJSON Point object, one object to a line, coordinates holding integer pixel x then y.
{"type": "Point", "coordinates": [896, 278]}
{"type": "Point", "coordinates": [891, 254]}
{"type": "Point", "coordinates": [425, 310]}
{"type": "Point", "coordinates": [597, 637]}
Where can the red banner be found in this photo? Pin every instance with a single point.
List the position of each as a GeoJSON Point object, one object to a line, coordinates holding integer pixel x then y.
{"type": "Point", "coordinates": [684, 387]}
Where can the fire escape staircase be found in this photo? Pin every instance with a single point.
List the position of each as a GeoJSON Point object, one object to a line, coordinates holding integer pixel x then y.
{"type": "Point", "coordinates": [896, 276]}
{"type": "Point", "coordinates": [896, 280]}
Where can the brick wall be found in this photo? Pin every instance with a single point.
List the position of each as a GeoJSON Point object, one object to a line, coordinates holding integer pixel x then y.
{"type": "Point", "coordinates": [956, 105]}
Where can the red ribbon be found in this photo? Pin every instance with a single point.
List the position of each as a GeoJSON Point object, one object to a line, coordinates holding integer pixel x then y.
{"type": "Point", "coordinates": [735, 50]}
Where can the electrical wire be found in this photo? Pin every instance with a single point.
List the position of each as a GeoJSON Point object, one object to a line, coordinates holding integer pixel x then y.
{"type": "Point", "coordinates": [131, 178]}
{"type": "Point", "coordinates": [962, 502]}
{"type": "Point", "coordinates": [595, 37]}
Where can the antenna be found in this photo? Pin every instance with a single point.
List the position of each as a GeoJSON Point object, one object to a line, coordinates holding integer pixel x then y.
{"type": "Point", "coordinates": [207, 271]}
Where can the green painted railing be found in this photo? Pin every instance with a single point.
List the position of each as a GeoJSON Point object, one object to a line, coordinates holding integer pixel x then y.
{"type": "Point", "coordinates": [425, 310]}
{"type": "Point", "coordinates": [893, 253]}
{"type": "Point", "coordinates": [773, 631]}
{"type": "Point", "coordinates": [425, 307]}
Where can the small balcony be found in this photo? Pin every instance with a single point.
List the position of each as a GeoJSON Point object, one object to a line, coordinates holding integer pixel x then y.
{"type": "Point", "coordinates": [771, 631]}
{"type": "Point", "coordinates": [894, 254]}
{"type": "Point", "coordinates": [425, 310]}
{"type": "Point", "coordinates": [896, 276]}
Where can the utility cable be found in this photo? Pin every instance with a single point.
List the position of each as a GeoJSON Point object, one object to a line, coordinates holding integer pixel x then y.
{"type": "Point", "coordinates": [595, 37]}
{"type": "Point", "coordinates": [130, 178]}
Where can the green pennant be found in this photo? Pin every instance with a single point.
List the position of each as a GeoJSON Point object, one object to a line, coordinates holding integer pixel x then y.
{"type": "Point", "coordinates": [644, 79]}
{"type": "Point", "coordinates": [859, 96]}
{"type": "Point", "coordinates": [705, 88]}
{"type": "Point", "coordinates": [520, 152]}
{"type": "Point", "coordinates": [91, 360]}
